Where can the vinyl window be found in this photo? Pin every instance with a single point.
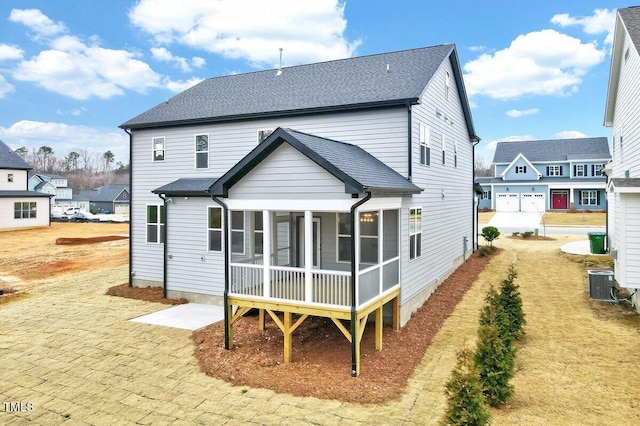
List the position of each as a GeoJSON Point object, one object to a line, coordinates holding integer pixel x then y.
{"type": "Point", "coordinates": [202, 151]}
{"type": "Point", "coordinates": [580, 170]}
{"type": "Point", "coordinates": [425, 146]}
{"type": "Point", "coordinates": [554, 170]}
{"type": "Point", "coordinates": [589, 198]}
{"type": "Point", "coordinates": [444, 151]}
{"type": "Point", "coordinates": [25, 210]}
{"type": "Point", "coordinates": [214, 229]}
{"type": "Point", "coordinates": [155, 223]}
{"type": "Point", "coordinates": [344, 237]}
{"type": "Point", "coordinates": [521, 169]}
{"type": "Point", "coordinates": [369, 237]}
{"type": "Point", "coordinates": [415, 233]}
{"type": "Point", "coordinates": [447, 84]}
{"type": "Point", "coordinates": [237, 232]}
{"type": "Point", "coordinates": [258, 233]}
{"type": "Point", "coordinates": [158, 148]}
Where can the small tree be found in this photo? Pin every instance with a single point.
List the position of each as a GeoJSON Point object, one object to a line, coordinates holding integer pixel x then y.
{"type": "Point", "coordinates": [465, 404]}
{"type": "Point", "coordinates": [495, 356]}
{"type": "Point", "coordinates": [490, 233]}
{"type": "Point", "coordinates": [511, 302]}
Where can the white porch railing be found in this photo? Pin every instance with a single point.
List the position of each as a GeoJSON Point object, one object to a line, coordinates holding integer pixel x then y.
{"type": "Point", "coordinates": [327, 287]}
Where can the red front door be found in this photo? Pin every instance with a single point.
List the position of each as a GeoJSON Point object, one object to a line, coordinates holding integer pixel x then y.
{"type": "Point", "coordinates": [559, 200]}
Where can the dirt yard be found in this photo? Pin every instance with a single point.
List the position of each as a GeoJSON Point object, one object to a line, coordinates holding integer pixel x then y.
{"type": "Point", "coordinates": [31, 255]}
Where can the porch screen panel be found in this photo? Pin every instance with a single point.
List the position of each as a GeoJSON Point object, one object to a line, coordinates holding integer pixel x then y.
{"type": "Point", "coordinates": [390, 234]}
{"type": "Point", "coordinates": [368, 285]}
{"type": "Point", "coordinates": [368, 239]}
{"type": "Point", "coordinates": [390, 274]}
{"type": "Point", "coordinates": [282, 239]}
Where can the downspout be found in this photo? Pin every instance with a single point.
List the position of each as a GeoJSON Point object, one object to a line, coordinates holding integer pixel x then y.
{"type": "Point", "coordinates": [165, 248]}
{"type": "Point", "coordinates": [225, 239]}
{"type": "Point", "coordinates": [474, 211]}
{"type": "Point", "coordinates": [354, 370]}
{"type": "Point", "coordinates": [410, 144]}
{"type": "Point", "coordinates": [130, 207]}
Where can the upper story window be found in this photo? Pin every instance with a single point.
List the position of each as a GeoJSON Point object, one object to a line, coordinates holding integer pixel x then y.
{"type": "Point", "coordinates": [486, 195]}
{"type": "Point", "coordinates": [554, 170]}
{"type": "Point", "coordinates": [264, 134]}
{"type": "Point", "coordinates": [444, 151]}
{"type": "Point", "coordinates": [596, 169]}
{"type": "Point", "coordinates": [202, 151]}
{"type": "Point", "coordinates": [455, 154]}
{"type": "Point", "coordinates": [447, 84]}
{"type": "Point", "coordinates": [158, 148]}
{"type": "Point", "coordinates": [10, 177]}
{"type": "Point", "coordinates": [425, 146]}
{"type": "Point", "coordinates": [521, 169]}
{"type": "Point", "coordinates": [155, 223]}
{"type": "Point", "coordinates": [580, 170]}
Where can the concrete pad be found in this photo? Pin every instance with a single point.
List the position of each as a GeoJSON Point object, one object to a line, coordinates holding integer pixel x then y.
{"type": "Point", "coordinates": [582, 247]}
{"type": "Point", "coordinates": [515, 220]}
{"type": "Point", "coordinates": [190, 316]}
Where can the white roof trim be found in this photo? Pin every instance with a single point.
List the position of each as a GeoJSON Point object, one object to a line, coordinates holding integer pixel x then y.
{"type": "Point", "coordinates": [520, 156]}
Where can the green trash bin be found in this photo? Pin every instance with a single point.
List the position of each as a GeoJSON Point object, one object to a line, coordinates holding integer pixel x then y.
{"type": "Point", "coordinates": [596, 242]}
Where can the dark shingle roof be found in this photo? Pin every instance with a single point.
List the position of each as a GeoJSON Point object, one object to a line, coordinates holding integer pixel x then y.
{"type": "Point", "coordinates": [359, 170]}
{"type": "Point", "coordinates": [554, 150]}
{"type": "Point", "coordinates": [191, 187]}
{"type": "Point", "coordinates": [346, 83]}
{"type": "Point", "coordinates": [106, 193]}
{"type": "Point", "coordinates": [11, 160]}
{"type": "Point", "coordinates": [631, 18]}
{"type": "Point", "coordinates": [22, 194]}
{"type": "Point", "coordinates": [626, 182]}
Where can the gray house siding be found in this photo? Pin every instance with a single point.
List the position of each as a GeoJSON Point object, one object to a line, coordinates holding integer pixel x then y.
{"type": "Point", "coordinates": [445, 221]}
{"type": "Point", "coordinates": [288, 174]}
{"type": "Point", "coordinates": [191, 267]}
{"type": "Point", "coordinates": [382, 132]}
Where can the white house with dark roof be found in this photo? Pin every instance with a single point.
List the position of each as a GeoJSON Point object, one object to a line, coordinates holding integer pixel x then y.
{"type": "Point", "coordinates": [622, 114]}
{"type": "Point", "coordinates": [19, 207]}
{"type": "Point", "coordinates": [558, 174]}
{"type": "Point", "coordinates": [337, 189]}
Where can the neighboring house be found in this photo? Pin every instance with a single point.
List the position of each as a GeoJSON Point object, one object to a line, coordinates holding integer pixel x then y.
{"type": "Point", "coordinates": [19, 207]}
{"type": "Point", "coordinates": [110, 198]}
{"type": "Point", "coordinates": [53, 184]}
{"type": "Point", "coordinates": [558, 174]}
{"type": "Point", "coordinates": [622, 113]}
{"type": "Point", "coordinates": [330, 189]}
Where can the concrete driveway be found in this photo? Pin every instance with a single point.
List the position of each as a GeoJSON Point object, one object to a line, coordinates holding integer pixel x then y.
{"type": "Point", "coordinates": [519, 220]}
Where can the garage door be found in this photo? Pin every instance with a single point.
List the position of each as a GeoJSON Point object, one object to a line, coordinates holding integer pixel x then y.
{"type": "Point", "coordinates": [534, 202]}
{"type": "Point", "coordinates": [507, 203]}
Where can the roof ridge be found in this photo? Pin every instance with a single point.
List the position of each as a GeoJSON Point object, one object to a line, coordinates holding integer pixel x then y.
{"type": "Point", "coordinates": [288, 129]}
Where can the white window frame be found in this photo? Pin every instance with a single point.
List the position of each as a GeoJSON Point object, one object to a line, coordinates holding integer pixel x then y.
{"type": "Point", "coordinates": [200, 152]}
{"type": "Point", "coordinates": [444, 150]}
{"type": "Point", "coordinates": [155, 150]}
{"type": "Point", "coordinates": [25, 210]}
{"type": "Point", "coordinates": [521, 169]}
{"type": "Point", "coordinates": [597, 170]}
{"type": "Point", "coordinates": [447, 84]}
{"type": "Point", "coordinates": [256, 231]}
{"type": "Point", "coordinates": [486, 195]}
{"type": "Point", "coordinates": [238, 230]}
{"type": "Point", "coordinates": [455, 153]}
{"type": "Point", "coordinates": [375, 237]}
{"type": "Point", "coordinates": [555, 171]}
{"type": "Point", "coordinates": [159, 224]}
{"type": "Point", "coordinates": [342, 236]}
{"type": "Point", "coordinates": [425, 146]}
{"type": "Point", "coordinates": [580, 170]}
{"type": "Point", "coordinates": [211, 229]}
{"type": "Point", "coordinates": [415, 229]}
{"type": "Point", "coordinates": [263, 134]}
{"type": "Point", "coordinates": [590, 195]}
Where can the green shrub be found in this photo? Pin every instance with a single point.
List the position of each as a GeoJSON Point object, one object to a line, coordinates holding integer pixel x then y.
{"type": "Point", "coordinates": [515, 234]}
{"type": "Point", "coordinates": [527, 234]}
{"type": "Point", "coordinates": [490, 233]}
{"type": "Point", "coordinates": [485, 251]}
{"type": "Point", "coordinates": [465, 404]}
{"type": "Point", "coordinates": [495, 355]}
{"type": "Point", "coordinates": [511, 302]}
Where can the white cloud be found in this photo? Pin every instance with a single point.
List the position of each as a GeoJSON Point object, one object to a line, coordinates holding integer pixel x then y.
{"type": "Point", "coordinates": [198, 62]}
{"type": "Point", "coordinates": [602, 21]}
{"type": "Point", "coordinates": [163, 55]}
{"type": "Point", "coordinates": [515, 113]}
{"type": "Point", "coordinates": [74, 111]}
{"type": "Point", "coordinates": [307, 31]}
{"type": "Point", "coordinates": [530, 67]}
{"type": "Point", "coordinates": [477, 48]}
{"type": "Point", "coordinates": [570, 134]}
{"type": "Point", "coordinates": [5, 87]}
{"type": "Point", "coordinates": [37, 22]}
{"type": "Point", "coordinates": [178, 86]}
{"type": "Point", "coordinates": [8, 52]}
{"type": "Point", "coordinates": [64, 138]}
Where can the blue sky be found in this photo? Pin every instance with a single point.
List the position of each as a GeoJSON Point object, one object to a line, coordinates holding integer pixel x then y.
{"type": "Point", "coordinates": [71, 71]}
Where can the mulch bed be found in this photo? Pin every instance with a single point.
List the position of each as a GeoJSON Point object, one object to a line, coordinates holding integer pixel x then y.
{"type": "Point", "coordinates": [150, 294]}
{"type": "Point", "coordinates": [92, 240]}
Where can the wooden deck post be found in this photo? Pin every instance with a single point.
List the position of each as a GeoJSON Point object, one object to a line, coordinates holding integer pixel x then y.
{"type": "Point", "coordinates": [287, 337]}
{"type": "Point", "coordinates": [396, 313]}
{"type": "Point", "coordinates": [261, 322]}
{"type": "Point", "coordinates": [379, 326]}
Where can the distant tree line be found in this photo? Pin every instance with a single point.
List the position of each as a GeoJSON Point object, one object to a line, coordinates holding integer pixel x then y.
{"type": "Point", "coordinates": [84, 169]}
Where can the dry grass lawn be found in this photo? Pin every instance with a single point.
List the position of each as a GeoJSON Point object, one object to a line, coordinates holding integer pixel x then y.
{"type": "Point", "coordinates": [574, 219]}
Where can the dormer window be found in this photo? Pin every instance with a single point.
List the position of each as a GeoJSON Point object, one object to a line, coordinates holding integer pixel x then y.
{"type": "Point", "coordinates": [521, 169]}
